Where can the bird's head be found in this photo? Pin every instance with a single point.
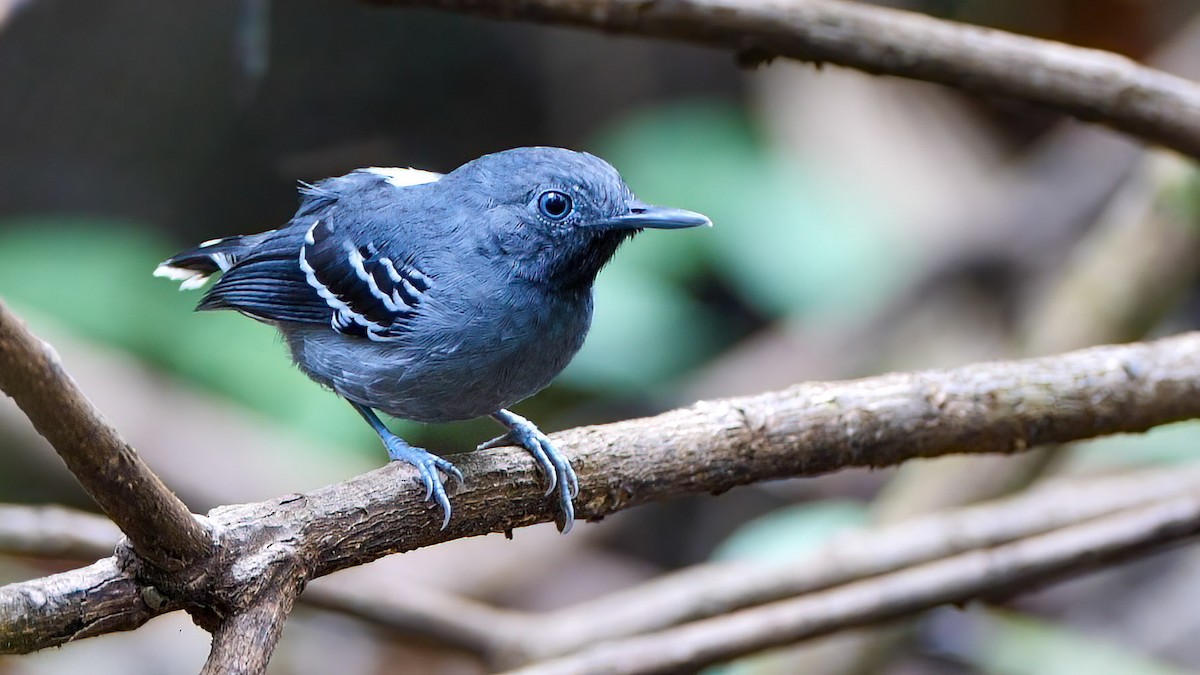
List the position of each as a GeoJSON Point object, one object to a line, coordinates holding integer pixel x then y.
{"type": "Point", "coordinates": [559, 215]}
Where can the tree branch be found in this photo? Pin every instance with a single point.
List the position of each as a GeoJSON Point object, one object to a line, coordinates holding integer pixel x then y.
{"type": "Point", "coordinates": [438, 616]}
{"type": "Point", "coordinates": [159, 526]}
{"type": "Point", "coordinates": [98, 599]}
{"type": "Point", "coordinates": [1003, 569]}
{"type": "Point", "coordinates": [709, 447]}
{"type": "Point", "coordinates": [712, 446]}
{"type": "Point", "coordinates": [510, 638]}
{"type": "Point", "coordinates": [705, 591]}
{"type": "Point", "coordinates": [55, 532]}
{"type": "Point", "coordinates": [244, 642]}
{"type": "Point", "coordinates": [1088, 84]}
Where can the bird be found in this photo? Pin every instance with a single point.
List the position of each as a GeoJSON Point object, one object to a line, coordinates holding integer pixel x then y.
{"type": "Point", "coordinates": [437, 297]}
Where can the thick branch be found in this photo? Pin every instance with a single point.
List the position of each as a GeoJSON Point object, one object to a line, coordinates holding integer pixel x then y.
{"type": "Point", "coordinates": [161, 529]}
{"type": "Point", "coordinates": [712, 446]}
{"type": "Point", "coordinates": [97, 599]}
{"type": "Point", "coordinates": [1089, 84]}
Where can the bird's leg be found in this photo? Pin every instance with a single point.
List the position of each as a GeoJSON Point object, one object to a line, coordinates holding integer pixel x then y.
{"type": "Point", "coordinates": [557, 469]}
{"type": "Point", "coordinates": [426, 463]}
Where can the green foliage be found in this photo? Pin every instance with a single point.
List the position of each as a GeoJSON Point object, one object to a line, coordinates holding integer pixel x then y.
{"type": "Point", "coordinates": [792, 241]}
{"type": "Point", "coordinates": [792, 532]}
{"type": "Point", "coordinates": [94, 278]}
{"type": "Point", "coordinates": [1184, 197]}
{"type": "Point", "coordinates": [1012, 644]}
{"type": "Point", "coordinates": [1168, 444]}
{"type": "Point", "coordinates": [789, 243]}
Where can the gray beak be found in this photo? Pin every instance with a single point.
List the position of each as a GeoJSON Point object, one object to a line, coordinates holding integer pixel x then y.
{"type": "Point", "coordinates": [655, 217]}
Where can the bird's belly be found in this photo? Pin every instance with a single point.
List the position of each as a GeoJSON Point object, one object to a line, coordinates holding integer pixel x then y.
{"type": "Point", "coordinates": [447, 376]}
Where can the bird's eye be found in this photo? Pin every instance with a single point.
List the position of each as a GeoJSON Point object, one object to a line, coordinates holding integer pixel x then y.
{"type": "Point", "coordinates": [554, 205]}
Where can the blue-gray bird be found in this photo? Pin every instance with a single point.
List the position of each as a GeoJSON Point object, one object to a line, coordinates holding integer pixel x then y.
{"type": "Point", "coordinates": [437, 297]}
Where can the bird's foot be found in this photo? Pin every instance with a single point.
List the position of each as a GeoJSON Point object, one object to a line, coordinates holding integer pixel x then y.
{"type": "Point", "coordinates": [427, 465]}
{"type": "Point", "coordinates": [553, 464]}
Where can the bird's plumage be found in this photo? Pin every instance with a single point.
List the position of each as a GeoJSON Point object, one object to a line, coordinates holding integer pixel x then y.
{"type": "Point", "coordinates": [434, 297]}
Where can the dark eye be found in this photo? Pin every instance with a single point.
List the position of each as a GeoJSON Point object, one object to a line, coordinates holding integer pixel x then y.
{"type": "Point", "coordinates": [554, 205]}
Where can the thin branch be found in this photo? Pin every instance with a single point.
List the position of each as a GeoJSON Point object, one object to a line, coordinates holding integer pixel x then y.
{"type": "Point", "coordinates": [710, 590]}
{"type": "Point", "coordinates": [712, 446]}
{"type": "Point", "coordinates": [56, 532]}
{"type": "Point", "coordinates": [1003, 569]}
{"type": "Point", "coordinates": [1092, 85]}
{"type": "Point", "coordinates": [437, 616]}
{"type": "Point", "coordinates": [159, 526]}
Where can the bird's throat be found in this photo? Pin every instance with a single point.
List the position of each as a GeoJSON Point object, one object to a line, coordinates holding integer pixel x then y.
{"type": "Point", "coordinates": [576, 271]}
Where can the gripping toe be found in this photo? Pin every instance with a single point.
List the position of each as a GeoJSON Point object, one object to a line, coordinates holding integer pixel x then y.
{"type": "Point", "coordinates": [428, 465]}
{"type": "Point", "coordinates": [557, 469]}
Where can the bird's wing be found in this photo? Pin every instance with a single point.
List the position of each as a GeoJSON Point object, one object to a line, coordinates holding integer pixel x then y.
{"type": "Point", "coordinates": [267, 283]}
{"type": "Point", "coordinates": [320, 270]}
{"type": "Point", "coordinates": [372, 292]}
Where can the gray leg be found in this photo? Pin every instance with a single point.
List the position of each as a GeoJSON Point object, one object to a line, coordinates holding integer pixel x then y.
{"type": "Point", "coordinates": [426, 463]}
{"type": "Point", "coordinates": [557, 469]}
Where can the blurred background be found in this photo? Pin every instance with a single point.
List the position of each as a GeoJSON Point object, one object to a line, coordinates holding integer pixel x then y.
{"type": "Point", "coordinates": [862, 225]}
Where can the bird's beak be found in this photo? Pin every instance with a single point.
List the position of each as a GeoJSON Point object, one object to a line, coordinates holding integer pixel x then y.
{"type": "Point", "coordinates": [655, 217]}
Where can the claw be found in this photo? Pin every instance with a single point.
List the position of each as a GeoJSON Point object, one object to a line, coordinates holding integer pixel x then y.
{"type": "Point", "coordinates": [427, 465]}
{"type": "Point", "coordinates": [500, 441]}
{"type": "Point", "coordinates": [556, 468]}
{"type": "Point", "coordinates": [568, 513]}
{"type": "Point", "coordinates": [452, 472]}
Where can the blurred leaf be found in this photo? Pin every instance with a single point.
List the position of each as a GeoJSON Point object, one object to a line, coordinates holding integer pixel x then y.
{"type": "Point", "coordinates": [1167, 444]}
{"type": "Point", "coordinates": [1184, 197]}
{"type": "Point", "coordinates": [94, 277]}
{"type": "Point", "coordinates": [792, 532]}
{"type": "Point", "coordinates": [645, 330]}
{"type": "Point", "coordinates": [793, 242]}
{"type": "Point", "coordinates": [1014, 644]}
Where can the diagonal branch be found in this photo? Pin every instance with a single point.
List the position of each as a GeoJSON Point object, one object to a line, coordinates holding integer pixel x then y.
{"type": "Point", "coordinates": [706, 591]}
{"type": "Point", "coordinates": [1089, 84]}
{"type": "Point", "coordinates": [159, 526]}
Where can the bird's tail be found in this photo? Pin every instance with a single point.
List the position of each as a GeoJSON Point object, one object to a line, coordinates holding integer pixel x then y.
{"type": "Point", "coordinates": [193, 267]}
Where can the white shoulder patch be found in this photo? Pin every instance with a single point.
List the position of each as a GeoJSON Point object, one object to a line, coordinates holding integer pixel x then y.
{"type": "Point", "coordinates": [404, 177]}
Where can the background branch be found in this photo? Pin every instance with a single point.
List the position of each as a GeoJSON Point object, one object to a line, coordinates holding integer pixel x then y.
{"type": "Point", "coordinates": [1089, 84]}
{"type": "Point", "coordinates": [56, 532]}
{"type": "Point", "coordinates": [711, 590]}
{"type": "Point", "coordinates": [953, 580]}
